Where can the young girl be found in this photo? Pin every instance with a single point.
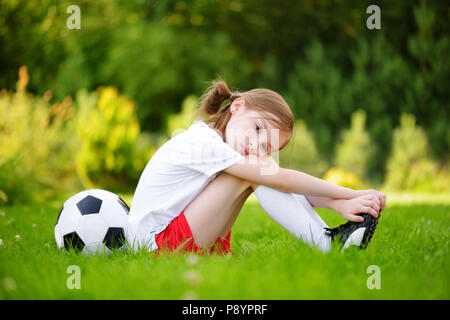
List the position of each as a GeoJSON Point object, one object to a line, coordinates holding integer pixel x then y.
{"type": "Point", "coordinates": [194, 186]}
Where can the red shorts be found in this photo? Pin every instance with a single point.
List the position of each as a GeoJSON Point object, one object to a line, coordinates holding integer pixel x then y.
{"type": "Point", "coordinates": [178, 237]}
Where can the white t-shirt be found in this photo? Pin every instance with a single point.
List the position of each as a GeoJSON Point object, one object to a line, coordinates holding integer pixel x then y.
{"type": "Point", "coordinates": [174, 176]}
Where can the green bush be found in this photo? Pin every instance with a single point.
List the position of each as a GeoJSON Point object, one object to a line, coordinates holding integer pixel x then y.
{"type": "Point", "coordinates": [301, 152]}
{"type": "Point", "coordinates": [159, 52]}
{"type": "Point", "coordinates": [316, 91]}
{"type": "Point", "coordinates": [37, 145]}
{"type": "Point", "coordinates": [326, 96]}
{"type": "Point", "coordinates": [354, 151]}
{"type": "Point", "coordinates": [164, 65]}
{"type": "Point", "coordinates": [113, 154]}
{"type": "Point", "coordinates": [410, 166]}
{"type": "Point", "coordinates": [377, 76]}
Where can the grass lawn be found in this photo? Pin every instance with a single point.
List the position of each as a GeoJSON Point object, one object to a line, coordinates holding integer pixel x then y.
{"type": "Point", "coordinates": [410, 247]}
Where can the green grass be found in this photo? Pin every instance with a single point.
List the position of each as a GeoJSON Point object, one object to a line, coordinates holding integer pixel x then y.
{"type": "Point", "coordinates": [410, 247]}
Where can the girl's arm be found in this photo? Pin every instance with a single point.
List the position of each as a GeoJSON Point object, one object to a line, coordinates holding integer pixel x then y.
{"type": "Point", "coordinates": [296, 180]}
{"type": "Point", "coordinates": [264, 170]}
{"type": "Point", "coordinates": [321, 202]}
{"type": "Point", "coordinates": [349, 208]}
{"type": "Point", "coordinates": [370, 200]}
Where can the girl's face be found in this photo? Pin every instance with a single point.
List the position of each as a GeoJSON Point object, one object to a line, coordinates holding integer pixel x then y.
{"type": "Point", "coordinates": [248, 132]}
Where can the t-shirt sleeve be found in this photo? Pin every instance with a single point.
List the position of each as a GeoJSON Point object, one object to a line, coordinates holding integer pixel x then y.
{"type": "Point", "coordinates": [205, 152]}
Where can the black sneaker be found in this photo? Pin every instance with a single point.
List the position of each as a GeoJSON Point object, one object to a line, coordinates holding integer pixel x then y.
{"type": "Point", "coordinates": [355, 233]}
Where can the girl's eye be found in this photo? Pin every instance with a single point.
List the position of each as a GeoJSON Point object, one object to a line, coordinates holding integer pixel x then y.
{"type": "Point", "coordinates": [257, 128]}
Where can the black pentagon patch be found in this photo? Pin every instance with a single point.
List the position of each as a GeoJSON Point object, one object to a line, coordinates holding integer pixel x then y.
{"type": "Point", "coordinates": [73, 241]}
{"type": "Point", "coordinates": [89, 205]}
{"type": "Point", "coordinates": [114, 238]}
{"type": "Point", "coordinates": [59, 214]}
{"type": "Point", "coordinates": [124, 205]}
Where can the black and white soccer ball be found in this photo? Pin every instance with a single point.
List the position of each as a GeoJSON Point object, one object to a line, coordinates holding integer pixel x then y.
{"type": "Point", "coordinates": [92, 221]}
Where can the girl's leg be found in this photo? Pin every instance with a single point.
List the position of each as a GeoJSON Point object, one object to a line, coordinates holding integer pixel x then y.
{"type": "Point", "coordinates": [295, 214]}
{"type": "Point", "coordinates": [239, 204]}
{"type": "Point", "coordinates": [213, 212]}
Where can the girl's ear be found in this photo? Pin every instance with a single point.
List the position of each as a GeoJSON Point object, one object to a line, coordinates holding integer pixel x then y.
{"type": "Point", "coordinates": [237, 104]}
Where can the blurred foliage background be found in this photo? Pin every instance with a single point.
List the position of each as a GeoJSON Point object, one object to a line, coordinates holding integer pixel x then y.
{"type": "Point", "coordinates": [89, 107]}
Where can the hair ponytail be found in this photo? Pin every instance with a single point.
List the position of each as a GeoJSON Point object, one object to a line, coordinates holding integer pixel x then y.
{"type": "Point", "coordinates": [212, 108]}
{"type": "Point", "coordinates": [214, 96]}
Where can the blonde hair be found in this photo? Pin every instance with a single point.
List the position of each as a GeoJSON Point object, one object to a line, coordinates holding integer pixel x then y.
{"type": "Point", "coordinates": [272, 105]}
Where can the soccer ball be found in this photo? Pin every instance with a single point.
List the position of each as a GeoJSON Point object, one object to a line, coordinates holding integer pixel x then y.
{"type": "Point", "coordinates": [92, 221]}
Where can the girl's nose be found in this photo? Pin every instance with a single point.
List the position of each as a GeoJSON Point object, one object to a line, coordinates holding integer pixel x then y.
{"type": "Point", "coordinates": [251, 147]}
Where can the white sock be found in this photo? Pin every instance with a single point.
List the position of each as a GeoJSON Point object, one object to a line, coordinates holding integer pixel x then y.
{"type": "Point", "coordinates": [295, 214]}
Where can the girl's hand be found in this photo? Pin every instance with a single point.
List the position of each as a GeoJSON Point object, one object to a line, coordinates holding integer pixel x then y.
{"type": "Point", "coordinates": [381, 196]}
{"type": "Point", "coordinates": [368, 203]}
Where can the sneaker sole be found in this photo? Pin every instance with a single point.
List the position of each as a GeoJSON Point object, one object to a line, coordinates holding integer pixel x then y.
{"type": "Point", "coordinates": [355, 238]}
{"type": "Point", "coordinates": [362, 236]}
{"type": "Point", "coordinates": [370, 229]}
